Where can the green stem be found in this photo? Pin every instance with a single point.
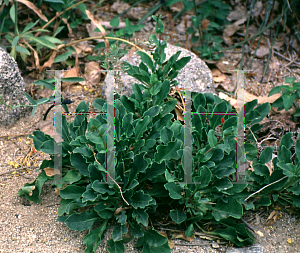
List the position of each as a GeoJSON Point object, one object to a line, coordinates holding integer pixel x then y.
{"type": "Point", "coordinates": [15, 3]}
{"type": "Point", "coordinates": [37, 34]}
{"type": "Point", "coordinates": [102, 37]}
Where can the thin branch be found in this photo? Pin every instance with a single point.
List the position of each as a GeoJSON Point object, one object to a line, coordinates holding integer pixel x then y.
{"type": "Point", "coordinates": [264, 188]}
{"type": "Point", "coordinates": [109, 176]}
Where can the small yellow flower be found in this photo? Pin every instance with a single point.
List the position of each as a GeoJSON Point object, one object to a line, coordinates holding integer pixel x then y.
{"type": "Point", "coordinates": [289, 241]}
{"type": "Point", "coordinates": [14, 164]}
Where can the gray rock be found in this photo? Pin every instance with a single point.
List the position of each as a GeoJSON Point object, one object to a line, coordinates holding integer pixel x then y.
{"type": "Point", "coordinates": [201, 75]}
{"type": "Point", "coordinates": [257, 248]}
{"type": "Point", "coordinates": [12, 89]}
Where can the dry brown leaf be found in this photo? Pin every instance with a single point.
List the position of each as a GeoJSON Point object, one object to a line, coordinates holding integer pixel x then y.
{"type": "Point", "coordinates": [178, 235]}
{"type": "Point", "coordinates": [92, 72]}
{"type": "Point", "coordinates": [57, 22]}
{"type": "Point", "coordinates": [262, 51]}
{"type": "Point", "coordinates": [36, 57]}
{"type": "Point", "coordinates": [257, 10]}
{"type": "Point", "coordinates": [179, 114]}
{"type": "Point", "coordinates": [271, 221]}
{"type": "Point", "coordinates": [232, 101]}
{"type": "Point", "coordinates": [163, 233]}
{"type": "Point", "coordinates": [70, 73]}
{"type": "Point", "coordinates": [215, 72]}
{"type": "Point", "coordinates": [71, 35]}
{"type": "Point", "coordinates": [108, 26]}
{"type": "Point", "coordinates": [131, 52]}
{"type": "Point", "coordinates": [219, 79]}
{"type": "Point", "coordinates": [206, 236]}
{"type": "Point", "coordinates": [249, 97]}
{"type": "Point", "coordinates": [99, 26]}
{"type": "Point", "coordinates": [79, 48]}
{"type": "Point", "coordinates": [225, 67]}
{"type": "Point", "coordinates": [188, 238]}
{"type": "Point", "coordinates": [205, 24]}
{"type": "Point", "coordinates": [51, 172]}
{"type": "Point", "coordinates": [88, 50]}
{"type": "Point", "coordinates": [171, 243]}
{"type": "Point", "coordinates": [177, 7]}
{"type": "Point", "coordinates": [261, 234]}
{"type": "Point", "coordinates": [272, 214]}
{"type": "Point", "coordinates": [34, 8]}
{"type": "Point", "coordinates": [261, 99]}
{"type": "Point", "coordinates": [239, 12]}
{"type": "Point", "coordinates": [218, 76]}
{"type": "Point", "coordinates": [182, 235]}
{"type": "Point", "coordinates": [77, 64]}
{"type": "Point", "coordinates": [119, 7]}
{"type": "Point", "coordinates": [275, 64]}
{"type": "Point", "coordinates": [56, 190]}
{"type": "Point", "coordinates": [231, 29]}
{"type": "Point", "coordinates": [49, 62]}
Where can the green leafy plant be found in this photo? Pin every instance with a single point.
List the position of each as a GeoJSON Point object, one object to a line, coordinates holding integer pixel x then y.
{"type": "Point", "coordinates": [66, 9]}
{"type": "Point", "coordinates": [25, 39]}
{"type": "Point", "coordinates": [209, 18]}
{"type": "Point", "coordinates": [22, 41]}
{"type": "Point", "coordinates": [290, 96]}
{"type": "Point", "coordinates": [149, 175]}
{"type": "Point", "coordinates": [110, 59]}
{"type": "Point", "coordinates": [282, 184]}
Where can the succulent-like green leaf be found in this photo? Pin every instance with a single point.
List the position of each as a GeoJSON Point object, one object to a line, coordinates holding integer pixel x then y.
{"type": "Point", "coordinates": [167, 152]}
{"type": "Point", "coordinates": [178, 216]}
{"type": "Point", "coordinates": [140, 199]}
{"type": "Point", "coordinates": [81, 221]}
{"type": "Point", "coordinates": [153, 238]}
{"type": "Point", "coordinates": [224, 210]}
{"type": "Point", "coordinates": [174, 190]}
{"type": "Point", "coordinates": [115, 247]}
{"type": "Point", "coordinates": [141, 216]}
{"type": "Point", "coordinates": [266, 155]}
{"type": "Point", "coordinates": [284, 154]}
{"type": "Point", "coordinates": [141, 127]}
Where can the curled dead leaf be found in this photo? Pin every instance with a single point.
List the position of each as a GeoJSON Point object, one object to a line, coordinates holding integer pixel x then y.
{"type": "Point", "coordinates": [261, 234]}
{"type": "Point", "coordinates": [34, 8]}
{"type": "Point", "coordinates": [249, 97]}
{"type": "Point", "coordinates": [99, 26]}
{"type": "Point", "coordinates": [48, 63]}
{"type": "Point", "coordinates": [36, 57]}
{"type": "Point", "coordinates": [92, 72]}
{"type": "Point", "coordinates": [51, 172]}
{"type": "Point", "coordinates": [71, 34]}
{"type": "Point", "coordinates": [70, 73]}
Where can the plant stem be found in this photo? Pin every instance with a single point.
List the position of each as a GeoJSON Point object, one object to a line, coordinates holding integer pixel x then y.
{"type": "Point", "coordinates": [15, 3]}
{"type": "Point", "coordinates": [37, 34]}
{"type": "Point", "coordinates": [264, 187]}
{"type": "Point", "coordinates": [103, 37]}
